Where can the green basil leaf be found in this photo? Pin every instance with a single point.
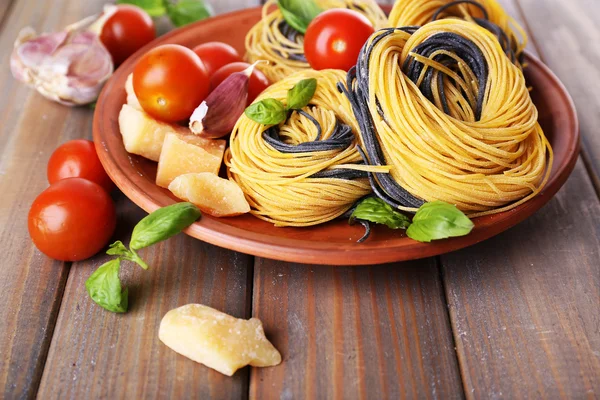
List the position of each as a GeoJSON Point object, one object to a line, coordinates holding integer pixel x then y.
{"type": "Point", "coordinates": [137, 259]}
{"type": "Point", "coordinates": [155, 8]}
{"type": "Point", "coordinates": [183, 12]}
{"type": "Point", "coordinates": [118, 249]}
{"type": "Point", "coordinates": [163, 224]}
{"type": "Point", "coordinates": [299, 13]}
{"type": "Point", "coordinates": [267, 112]}
{"type": "Point", "coordinates": [301, 94]}
{"type": "Point", "coordinates": [376, 210]}
{"type": "Point", "coordinates": [439, 220]}
{"type": "Point", "coordinates": [104, 287]}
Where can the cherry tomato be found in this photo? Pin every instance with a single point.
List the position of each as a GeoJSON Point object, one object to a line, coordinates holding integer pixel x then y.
{"type": "Point", "coordinates": [257, 83]}
{"type": "Point", "coordinates": [72, 220]}
{"type": "Point", "coordinates": [335, 37]}
{"type": "Point", "coordinates": [126, 31]}
{"type": "Point", "coordinates": [215, 55]}
{"type": "Point", "coordinates": [78, 159]}
{"type": "Point", "coordinates": [170, 81]}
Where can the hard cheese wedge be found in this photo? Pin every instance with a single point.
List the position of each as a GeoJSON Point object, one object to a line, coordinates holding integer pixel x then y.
{"type": "Point", "coordinates": [142, 134]}
{"type": "Point", "coordinates": [184, 154]}
{"type": "Point", "coordinates": [217, 340]}
{"type": "Point", "coordinates": [213, 195]}
{"type": "Point", "coordinates": [132, 99]}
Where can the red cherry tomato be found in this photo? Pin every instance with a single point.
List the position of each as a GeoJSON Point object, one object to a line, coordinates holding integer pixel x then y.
{"type": "Point", "coordinates": [78, 159]}
{"type": "Point", "coordinates": [215, 55]}
{"type": "Point", "coordinates": [72, 220]}
{"type": "Point", "coordinates": [170, 81]}
{"type": "Point", "coordinates": [257, 83]}
{"type": "Point", "coordinates": [334, 39]}
{"type": "Point", "coordinates": [126, 31]}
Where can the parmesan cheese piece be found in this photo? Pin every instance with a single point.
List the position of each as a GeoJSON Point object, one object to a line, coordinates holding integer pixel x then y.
{"type": "Point", "coordinates": [217, 340]}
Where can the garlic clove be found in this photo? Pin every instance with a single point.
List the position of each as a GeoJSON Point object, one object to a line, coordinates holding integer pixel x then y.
{"type": "Point", "coordinates": [69, 67]}
{"type": "Point", "coordinates": [217, 115]}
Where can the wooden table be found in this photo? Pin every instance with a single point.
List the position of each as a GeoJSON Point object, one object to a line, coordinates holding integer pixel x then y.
{"type": "Point", "coordinates": [515, 317]}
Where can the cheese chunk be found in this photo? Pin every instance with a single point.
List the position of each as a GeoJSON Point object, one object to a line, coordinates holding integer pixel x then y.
{"type": "Point", "coordinates": [185, 154]}
{"type": "Point", "coordinates": [217, 340]}
{"type": "Point", "coordinates": [143, 135]}
{"type": "Point", "coordinates": [213, 195]}
{"type": "Point", "coordinates": [132, 99]}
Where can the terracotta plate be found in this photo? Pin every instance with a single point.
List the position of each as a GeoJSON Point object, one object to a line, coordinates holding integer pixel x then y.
{"type": "Point", "coordinates": [333, 243]}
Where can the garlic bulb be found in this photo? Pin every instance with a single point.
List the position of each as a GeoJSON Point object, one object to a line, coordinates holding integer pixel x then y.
{"type": "Point", "coordinates": [69, 67]}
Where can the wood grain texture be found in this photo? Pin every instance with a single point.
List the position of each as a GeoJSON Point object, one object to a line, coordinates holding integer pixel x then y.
{"type": "Point", "coordinates": [566, 34]}
{"type": "Point", "coordinates": [524, 305]}
{"type": "Point", "coordinates": [31, 129]}
{"type": "Point", "coordinates": [377, 332]}
{"type": "Point", "coordinates": [223, 6]}
{"type": "Point", "coordinates": [97, 354]}
{"type": "Point", "coordinates": [5, 6]}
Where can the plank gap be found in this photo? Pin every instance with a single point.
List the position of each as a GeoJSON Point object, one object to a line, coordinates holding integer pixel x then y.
{"type": "Point", "coordinates": [451, 323]}
{"type": "Point", "coordinates": [4, 15]}
{"type": "Point", "coordinates": [35, 386]}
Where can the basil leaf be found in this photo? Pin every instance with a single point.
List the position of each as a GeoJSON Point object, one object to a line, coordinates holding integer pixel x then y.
{"type": "Point", "coordinates": [104, 287]}
{"type": "Point", "coordinates": [299, 13]}
{"type": "Point", "coordinates": [376, 210]}
{"type": "Point", "coordinates": [118, 249]}
{"type": "Point", "coordinates": [439, 220]}
{"type": "Point", "coordinates": [267, 112]}
{"type": "Point", "coordinates": [155, 8]}
{"type": "Point", "coordinates": [162, 224]}
{"type": "Point", "coordinates": [183, 12]}
{"type": "Point", "coordinates": [301, 94]}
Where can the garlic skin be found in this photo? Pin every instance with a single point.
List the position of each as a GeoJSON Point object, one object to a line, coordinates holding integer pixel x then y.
{"type": "Point", "coordinates": [68, 67]}
{"type": "Point", "coordinates": [217, 115]}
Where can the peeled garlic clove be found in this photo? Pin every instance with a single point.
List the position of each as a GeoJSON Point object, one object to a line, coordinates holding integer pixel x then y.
{"type": "Point", "coordinates": [217, 115]}
{"type": "Point", "coordinates": [68, 67]}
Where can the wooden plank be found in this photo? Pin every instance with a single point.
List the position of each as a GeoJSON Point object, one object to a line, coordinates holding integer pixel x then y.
{"type": "Point", "coordinates": [223, 6]}
{"type": "Point", "coordinates": [524, 305]}
{"type": "Point", "coordinates": [97, 354]}
{"type": "Point", "coordinates": [375, 332]}
{"type": "Point", "coordinates": [30, 128]}
{"type": "Point", "coordinates": [4, 10]}
{"type": "Point", "coordinates": [566, 34]}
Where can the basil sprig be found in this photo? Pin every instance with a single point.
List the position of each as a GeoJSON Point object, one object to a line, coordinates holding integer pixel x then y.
{"type": "Point", "coordinates": [438, 220]}
{"type": "Point", "coordinates": [299, 13]}
{"type": "Point", "coordinates": [433, 221]}
{"type": "Point", "coordinates": [104, 285]}
{"type": "Point", "coordinates": [301, 94]}
{"type": "Point", "coordinates": [378, 211]}
{"type": "Point", "coordinates": [273, 111]}
{"type": "Point", "coordinates": [180, 12]}
{"type": "Point", "coordinates": [267, 112]}
{"type": "Point", "coordinates": [163, 224]}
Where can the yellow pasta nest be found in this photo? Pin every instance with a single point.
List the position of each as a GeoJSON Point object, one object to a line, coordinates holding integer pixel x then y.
{"type": "Point", "coordinates": [273, 40]}
{"type": "Point", "coordinates": [294, 187]}
{"type": "Point", "coordinates": [452, 116]}
{"type": "Point", "coordinates": [487, 13]}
